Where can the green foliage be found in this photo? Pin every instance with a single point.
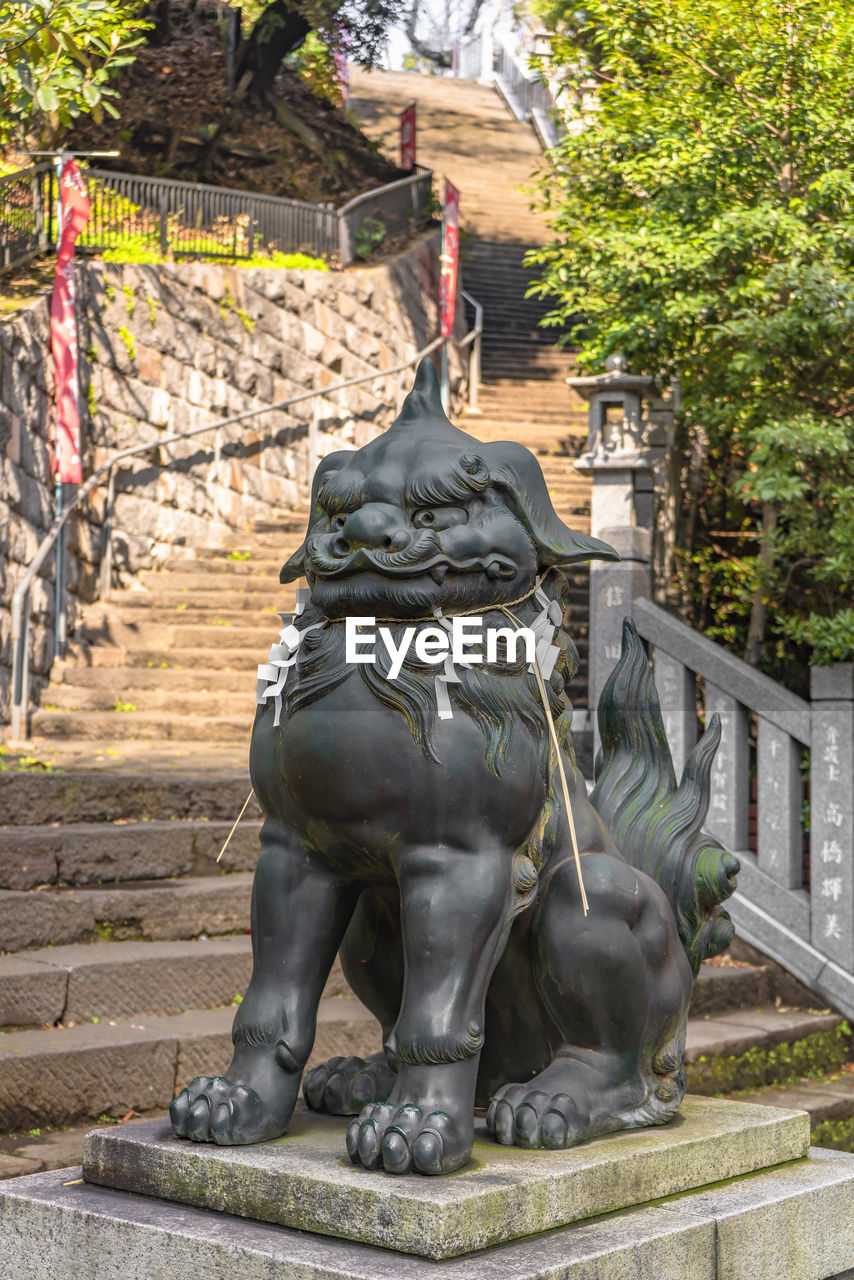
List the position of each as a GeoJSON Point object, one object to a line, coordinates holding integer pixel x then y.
{"type": "Point", "coordinates": [836, 1134]}
{"type": "Point", "coordinates": [811, 1057]}
{"type": "Point", "coordinates": [315, 62]}
{"type": "Point", "coordinates": [130, 298]}
{"type": "Point", "coordinates": [57, 58]}
{"type": "Point", "coordinates": [370, 234]}
{"type": "Point", "coordinates": [703, 223]}
{"type": "Point", "coordinates": [129, 341]}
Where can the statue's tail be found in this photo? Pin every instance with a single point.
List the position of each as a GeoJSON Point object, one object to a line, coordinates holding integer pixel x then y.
{"type": "Point", "coordinates": [654, 823]}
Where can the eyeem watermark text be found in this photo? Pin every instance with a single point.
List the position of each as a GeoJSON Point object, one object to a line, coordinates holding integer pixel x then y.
{"type": "Point", "coordinates": [465, 640]}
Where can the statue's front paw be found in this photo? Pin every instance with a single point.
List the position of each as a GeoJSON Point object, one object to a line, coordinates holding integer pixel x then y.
{"type": "Point", "coordinates": [523, 1117]}
{"type": "Point", "coordinates": [343, 1086]}
{"type": "Point", "coordinates": [214, 1109]}
{"type": "Point", "coordinates": [406, 1137]}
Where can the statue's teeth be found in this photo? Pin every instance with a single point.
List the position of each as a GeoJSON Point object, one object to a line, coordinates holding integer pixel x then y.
{"type": "Point", "coordinates": [493, 569]}
{"type": "Point", "coordinates": [438, 573]}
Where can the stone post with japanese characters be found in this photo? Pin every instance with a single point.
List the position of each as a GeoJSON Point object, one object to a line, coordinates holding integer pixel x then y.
{"type": "Point", "coordinates": [613, 587]}
{"type": "Point", "coordinates": [832, 812]}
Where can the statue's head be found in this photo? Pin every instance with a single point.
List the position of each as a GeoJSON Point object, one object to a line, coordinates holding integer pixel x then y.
{"type": "Point", "coordinates": [426, 516]}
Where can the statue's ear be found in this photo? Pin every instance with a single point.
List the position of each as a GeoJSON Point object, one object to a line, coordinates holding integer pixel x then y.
{"type": "Point", "coordinates": [514, 470]}
{"type": "Point", "coordinates": [295, 566]}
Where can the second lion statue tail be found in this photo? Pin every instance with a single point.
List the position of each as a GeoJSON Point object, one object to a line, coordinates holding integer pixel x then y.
{"type": "Point", "coordinates": [654, 822]}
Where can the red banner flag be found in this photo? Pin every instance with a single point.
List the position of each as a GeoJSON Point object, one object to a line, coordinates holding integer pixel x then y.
{"type": "Point", "coordinates": [407, 137]}
{"type": "Point", "coordinates": [63, 326]}
{"type": "Point", "coordinates": [450, 258]}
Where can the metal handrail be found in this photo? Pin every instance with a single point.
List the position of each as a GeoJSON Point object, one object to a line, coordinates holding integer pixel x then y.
{"type": "Point", "coordinates": [21, 605]}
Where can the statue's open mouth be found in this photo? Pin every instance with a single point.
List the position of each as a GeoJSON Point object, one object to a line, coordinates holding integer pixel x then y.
{"type": "Point", "coordinates": [438, 567]}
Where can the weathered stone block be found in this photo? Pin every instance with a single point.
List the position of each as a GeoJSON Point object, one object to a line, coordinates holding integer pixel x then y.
{"type": "Point", "coordinates": [32, 991]}
{"type": "Point", "coordinates": [302, 1181]}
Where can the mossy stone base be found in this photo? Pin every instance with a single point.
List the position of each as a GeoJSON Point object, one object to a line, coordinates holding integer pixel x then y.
{"type": "Point", "coordinates": [306, 1181]}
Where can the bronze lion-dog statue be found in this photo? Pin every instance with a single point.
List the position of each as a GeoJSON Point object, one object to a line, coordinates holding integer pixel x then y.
{"type": "Point", "coordinates": [418, 825]}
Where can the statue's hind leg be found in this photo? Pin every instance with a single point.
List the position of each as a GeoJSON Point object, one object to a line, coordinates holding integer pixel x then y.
{"type": "Point", "coordinates": [616, 984]}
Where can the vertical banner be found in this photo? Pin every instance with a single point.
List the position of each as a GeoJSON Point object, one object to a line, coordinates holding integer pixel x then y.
{"type": "Point", "coordinates": [407, 137]}
{"type": "Point", "coordinates": [450, 258]}
{"type": "Point", "coordinates": [63, 325]}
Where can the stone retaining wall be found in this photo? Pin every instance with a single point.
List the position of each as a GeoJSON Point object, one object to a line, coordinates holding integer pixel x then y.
{"type": "Point", "coordinates": [170, 347]}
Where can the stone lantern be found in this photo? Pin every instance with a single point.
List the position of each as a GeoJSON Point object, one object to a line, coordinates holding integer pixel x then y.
{"type": "Point", "coordinates": [624, 451]}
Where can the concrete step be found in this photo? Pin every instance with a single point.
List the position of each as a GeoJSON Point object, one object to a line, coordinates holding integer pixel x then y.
{"type": "Point", "coordinates": [102, 796]}
{"type": "Point", "coordinates": [106, 725]}
{"type": "Point", "coordinates": [88, 853]}
{"type": "Point", "coordinates": [156, 910]}
{"type": "Point", "coordinates": [60, 1075]}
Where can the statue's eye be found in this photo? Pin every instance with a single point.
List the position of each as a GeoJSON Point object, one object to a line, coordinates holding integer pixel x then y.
{"type": "Point", "coordinates": [338, 522]}
{"type": "Point", "coordinates": [439, 517]}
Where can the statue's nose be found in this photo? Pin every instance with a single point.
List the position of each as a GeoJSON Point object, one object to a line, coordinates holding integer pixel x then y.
{"type": "Point", "coordinates": [377, 526]}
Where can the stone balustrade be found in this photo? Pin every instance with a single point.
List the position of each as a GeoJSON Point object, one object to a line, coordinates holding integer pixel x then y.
{"type": "Point", "coordinates": [796, 888]}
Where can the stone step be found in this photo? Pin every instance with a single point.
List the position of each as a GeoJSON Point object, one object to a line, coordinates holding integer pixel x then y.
{"type": "Point", "coordinates": [233, 658]}
{"type": "Point", "coordinates": [104, 725]}
{"type": "Point", "coordinates": [90, 983]}
{"type": "Point", "coordinates": [90, 795]}
{"type": "Point", "coordinates": [208, 592]}
{"type": "Point", "coordinates": [88, 853]}
{"type": "Point", "coordinates": [209, 575]}
{"type": "Point", "coordinates": [174, 636]}
{"type": "Point", "coordinates": [792, 1222]}
{"type": "Point", "coordinates": [829, 1102]}
{"type": "Point", "coordinates": [59, 1075]}
{"type": "Point", "coordinates": [159, 911]}
{"type": "Point", "coordinates": [121, 679]}
{"type": "Point", "coordinates": [265, 565]}
{"type": "Point", "coordinates": [719, 988]}
{"type": "Point", "coordinates": [125, 699]}
{"type": "Point", "coordinates": [103, 980]}
{"type": "Point", "coordinates": [147, 617]}
{"type": "Point", "coordinates": [748, 1048]}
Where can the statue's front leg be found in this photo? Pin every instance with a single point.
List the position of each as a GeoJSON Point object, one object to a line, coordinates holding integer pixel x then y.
{"type": "Point", "coordinates": [300, 911]}
{"type": "Point", "coordinates": [456, 908]}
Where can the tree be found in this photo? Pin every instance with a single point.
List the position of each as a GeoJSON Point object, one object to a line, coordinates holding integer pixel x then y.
{"type": "Point", "coordinates": [703, 224]}
{"type": "Point", "coordinates": [57, 58]}
{"type": "Point", "coordinates": [358, 26]}
{"type": "Point", "coordinates": [445, 26]}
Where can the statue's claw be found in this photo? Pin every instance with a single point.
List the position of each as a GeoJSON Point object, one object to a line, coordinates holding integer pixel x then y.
{"type": "Point", "coordinates": [343, 1086]}
{"type": "Point", "coordinates": [407, 1138]}
{"type": "Point", "coordinates": [523, 1117]}
{"type": "Point", "coordinates": [214, 1109]}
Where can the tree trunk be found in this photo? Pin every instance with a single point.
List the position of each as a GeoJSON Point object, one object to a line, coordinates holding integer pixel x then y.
{"type": "Point", "coordinates": [279, 30]}
{"type": "Point", "coordinates": [759, 610]}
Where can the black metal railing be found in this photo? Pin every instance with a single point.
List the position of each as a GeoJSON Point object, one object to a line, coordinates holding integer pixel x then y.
{"type": "Point", "coordinates": [190, 220]}
{"type": "Point", "coordinates": [26, 213]}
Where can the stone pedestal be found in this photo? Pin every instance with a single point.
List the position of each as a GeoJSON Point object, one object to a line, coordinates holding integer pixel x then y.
{"type": "Point", "coordinates": [728, 1191]}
